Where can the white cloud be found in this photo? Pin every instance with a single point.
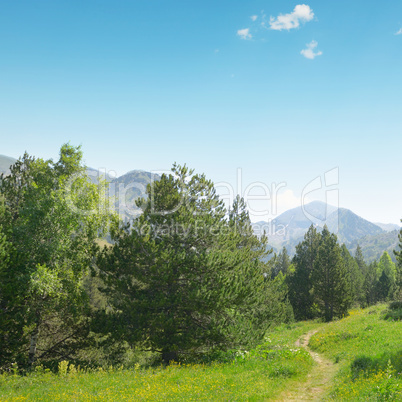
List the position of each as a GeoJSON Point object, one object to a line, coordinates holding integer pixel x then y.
{"type": "Point", "coordinates": [244, 33]}
{"type": "Point", "coordinates": [254, 17]}
{"type": "Point", "coordinates": [284, 200]}
{"type": "Point", "coordinates": [287, 200]}
{"type": "Point", "coordinates": [399, 32]}
{"type": "Point", "coordinates": [309, 53]}
{"type": "Point", "coordinates": [301, 13]}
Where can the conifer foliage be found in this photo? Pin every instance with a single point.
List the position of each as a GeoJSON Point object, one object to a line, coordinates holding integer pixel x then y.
{"type": "Point", "coordinates": [320, 283]}
{"type": "Point", "coordinates": [300, 282]}
{"type": "Point", "coordinates": [398, 254]}
{"type": "Point", "coordinates": [187, 276]}
{"type": "Point", "coordinates": [330, 278]}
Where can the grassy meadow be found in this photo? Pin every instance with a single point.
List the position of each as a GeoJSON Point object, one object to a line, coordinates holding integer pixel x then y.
{"type": "Point", "coordinates": [367, 347]}
{"type": "Point", "coordinates": [366, 351]}
{"type": "Point", "coordinates": [258, 374]}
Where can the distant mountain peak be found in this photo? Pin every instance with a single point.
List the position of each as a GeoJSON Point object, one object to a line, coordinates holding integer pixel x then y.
{"type": "Point", "coordinates": [5, 163]}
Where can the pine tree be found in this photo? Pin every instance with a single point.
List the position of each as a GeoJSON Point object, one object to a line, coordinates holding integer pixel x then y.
{"type": "Point", "coordinates": [186, 276]}
{"type": "Point", "coordinates": [330, 279]}
{"type": "Point", "coordinates": [360, 260]}
{"type": "Point", "coordinates": [299, 282]}
{"type": "Point", "coordinates": [370, 284]}
{"type": "Point", "coordinates": [383, 287]}
{"type": "Point", "coordinates": [281, 263]}
{"type": "Point", "coordinates": [355, 274]}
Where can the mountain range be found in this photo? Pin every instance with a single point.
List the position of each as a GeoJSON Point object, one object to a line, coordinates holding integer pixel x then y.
{"type": "Point", "coordinates": [287, 230]}
{"type": "Point", "coordinates": [125, 189]}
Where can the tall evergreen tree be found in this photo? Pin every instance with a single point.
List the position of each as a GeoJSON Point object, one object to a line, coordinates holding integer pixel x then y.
{"type": "Point", "coordinates": [186, 277]}
{"type": "Point", "coordinates": [355, 275]}
{"type": "Point", "coordinates": [384, 287]}
{"type": "Point", "coordinates": [282, 263]}
{"type": "Point", "coordinates": [360, 260]}
{"type": "Point", "coordinates": [370, 284]}
{"type": "Point", "coordinates": [331, 281]}
{"type": "Point", "coordinates": [299, 282]}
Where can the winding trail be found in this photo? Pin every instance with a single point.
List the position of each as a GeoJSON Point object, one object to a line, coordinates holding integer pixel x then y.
{"type": "Point", "coordinates": [319, 379]}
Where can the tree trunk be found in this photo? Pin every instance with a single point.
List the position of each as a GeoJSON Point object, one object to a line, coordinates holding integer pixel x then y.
{"type": "Point", "coordinates": [33, 344]}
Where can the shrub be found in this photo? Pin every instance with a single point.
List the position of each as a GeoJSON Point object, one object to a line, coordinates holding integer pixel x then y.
{"type": "Point", "coordinates": [368, 365]}
{"type": "Point", "coordinates": [395, 305]}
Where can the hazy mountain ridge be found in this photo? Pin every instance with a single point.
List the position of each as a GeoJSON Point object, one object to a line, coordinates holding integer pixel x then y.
{"type": "Point", "coordinates": [288, 229]}
{"type": "Point", "coordinates": [126, 189]}
{"type": "Point", "coordinates": [374, 246]}
{"type": "Point", "coordinates": [388, 227]}
{"type": "Point", "coordinates": [5, 163]}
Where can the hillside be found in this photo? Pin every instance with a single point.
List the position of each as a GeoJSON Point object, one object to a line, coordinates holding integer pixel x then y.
{"type": "Point", "coordinates": [128, 188]}
{"type": "Point", "coordinates": [288, 229]}
{"type": "Point", "coordinates": [350, 227]}
{"type": "Point", "coordinates": [388, 227]}
{"type": "Point", "coordinates": [374, 246]}
{"type": "Point", "coordinates": [357, 358]}
{"type": "Point", "coordinates": [293, 224]}
{"type": "Point", "coordinates": [5, 163]}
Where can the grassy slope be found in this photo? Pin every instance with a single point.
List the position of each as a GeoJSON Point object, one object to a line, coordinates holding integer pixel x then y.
{"type": "Point", "coordinates": [266, 373]}
{"type": "Point", "coordinates": [260, 374]}
{"type": "Point", "coordinates": [368, 350]}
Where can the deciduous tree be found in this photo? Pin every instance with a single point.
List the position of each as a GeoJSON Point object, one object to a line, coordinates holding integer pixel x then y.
{"type": "Point", "coordinates": [53, 216]}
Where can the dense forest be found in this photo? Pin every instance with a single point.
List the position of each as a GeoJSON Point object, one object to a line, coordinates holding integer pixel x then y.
{"type": "Point", "coordinates": [183, 280]}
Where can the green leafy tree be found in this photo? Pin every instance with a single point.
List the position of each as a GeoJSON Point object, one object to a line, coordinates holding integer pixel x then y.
{"type": "Point", "coordinates": [299, 282]}
{"type": "Point", "coordinates": [5, 247]}
{"type": "Point", "coordinates": [355, 275]}
{"type": "Point", "coordinates": [187, 277]}
{"type": "Point", "coordinates": [330, 278]}
{"type": "Point", "coordinates": [53, 216]}
{"type": "Point", "coordinates": [398, 255]}
{"type": "Point", "coordinates": [387, 273]}
{"type": "Point", "coordinates": [10, 333]}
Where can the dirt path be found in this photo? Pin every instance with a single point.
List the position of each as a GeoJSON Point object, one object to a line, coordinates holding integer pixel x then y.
{"type": "Point", "coordinates": [319, 379]}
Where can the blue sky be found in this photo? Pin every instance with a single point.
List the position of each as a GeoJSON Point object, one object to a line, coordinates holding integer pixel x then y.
{"type": "Point", "coordinates": [217, 85]}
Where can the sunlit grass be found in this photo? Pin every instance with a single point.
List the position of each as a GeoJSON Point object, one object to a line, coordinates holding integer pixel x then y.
{"type": "Point", "coordinates": [364, 347]}
{"type": "Point", "coordinates": [368, 349]}
{"type": "Point", "coordinates": [254, 375]}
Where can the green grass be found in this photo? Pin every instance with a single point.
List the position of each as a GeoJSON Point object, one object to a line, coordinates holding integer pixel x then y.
{"type": "Point", "coordinates": [368, 350]}
{"type": "Point", "coordinates": [365, 348]}
{"type": "Point", "coordinates": [255, 375]}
